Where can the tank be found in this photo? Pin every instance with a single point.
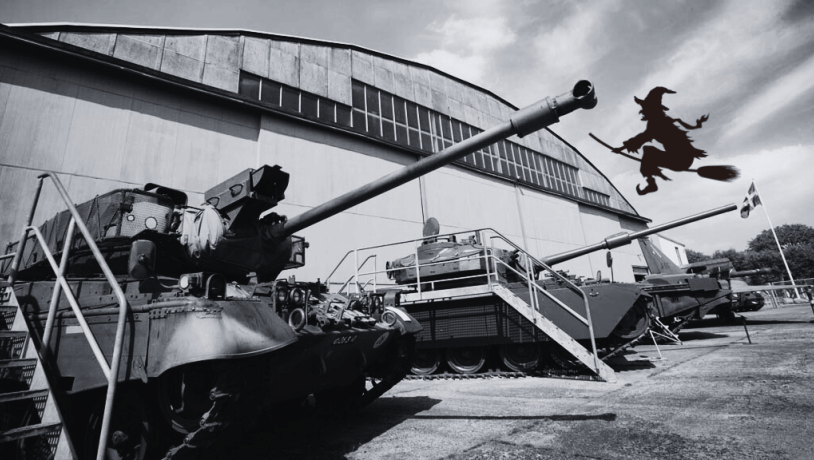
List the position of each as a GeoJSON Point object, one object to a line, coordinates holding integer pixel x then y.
{"type": "Point", "coordinates": [212, 335]}
{"type": "Point", "coordinates": [466, 333]}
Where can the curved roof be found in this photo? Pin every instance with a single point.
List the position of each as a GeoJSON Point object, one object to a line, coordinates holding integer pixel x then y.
{"type": "Point", "coordinates": [223, 59]}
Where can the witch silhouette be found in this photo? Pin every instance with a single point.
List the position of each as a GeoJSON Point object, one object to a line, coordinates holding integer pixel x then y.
{"type": "Point", "coordinates": [679, 152]}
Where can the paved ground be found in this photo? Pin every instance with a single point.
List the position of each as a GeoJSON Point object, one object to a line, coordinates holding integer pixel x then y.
{"type": "Point", "coordinates": [715, 396]}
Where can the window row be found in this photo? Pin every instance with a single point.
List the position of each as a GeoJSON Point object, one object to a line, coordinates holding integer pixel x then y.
{"type": "Point", "coordinates": [294, 99]}
{"type": "Point", "coordinates": [404, 122]}
{"type": "Point", "coordinates": [596, 197]}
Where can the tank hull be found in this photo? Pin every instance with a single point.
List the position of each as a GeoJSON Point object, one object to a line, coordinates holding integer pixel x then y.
{"type": "Point", "coordinates": [171, 339]}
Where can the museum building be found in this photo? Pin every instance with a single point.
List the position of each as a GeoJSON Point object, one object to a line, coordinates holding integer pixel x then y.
{"type": "Point", "coordinates": [110, 107]}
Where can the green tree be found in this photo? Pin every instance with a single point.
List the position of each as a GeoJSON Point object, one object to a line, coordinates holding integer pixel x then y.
{"type": "Point", "coordinates": [738, 258]}
{"type": "Point", "coordinates": [695, 256]}
{"type": "Point", "coordinates": [797, 241]}
{"type": "Point", "coordinates": [789, 235]}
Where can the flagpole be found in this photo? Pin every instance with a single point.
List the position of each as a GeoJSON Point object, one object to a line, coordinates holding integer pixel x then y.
{"type": "Point", "coordinates": [766, 211]}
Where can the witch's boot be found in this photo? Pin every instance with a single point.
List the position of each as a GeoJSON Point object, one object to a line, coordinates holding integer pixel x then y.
{"type": "Point", "coordinates": [651, 186]}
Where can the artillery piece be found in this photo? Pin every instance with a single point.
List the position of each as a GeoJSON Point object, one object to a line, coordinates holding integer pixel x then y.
{"type": "Point", "coordinates": [207, 335]}
{"type": "Point", "coordinates": [464, 331]}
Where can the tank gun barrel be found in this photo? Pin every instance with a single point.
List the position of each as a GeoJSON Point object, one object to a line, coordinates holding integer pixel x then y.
{"type": "Point", "coordinates": [623, 239]}
{"type": "Point", "coordinates": [756, 271]}
{"type": "Point", "coordinates": [523, 122]}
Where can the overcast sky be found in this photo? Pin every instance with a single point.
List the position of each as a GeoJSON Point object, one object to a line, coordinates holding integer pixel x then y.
{"type": "Point", "coordinates": [748, 64]}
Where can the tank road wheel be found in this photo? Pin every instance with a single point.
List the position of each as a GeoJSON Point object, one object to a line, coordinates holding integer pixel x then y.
{"type": "Point", "coordinates": [633, 324]}
{"type": "Point", "coordinates": [134, 432]}
{"type": "Point", "coordinates": [466, 360]}
{"type": "Point", "coordinates": [563, 359]}
{"type": "Point", "coordinates": [520, 357]}
{"type": "Point", "coordinates": [426, 361]}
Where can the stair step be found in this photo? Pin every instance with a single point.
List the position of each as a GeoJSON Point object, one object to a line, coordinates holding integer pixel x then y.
{"type": "Point", "coordinates": [13, 334]}
{"type": "Point", "coordinates": [28, 431]}
{"type": "Point", "coordinates": [9, 363]}
{"type": "Point", "coordinates": [19, 395]}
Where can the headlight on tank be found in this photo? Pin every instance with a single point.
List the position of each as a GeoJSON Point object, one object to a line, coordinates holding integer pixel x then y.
{"type": "Point", "coordinates": [297, 296]}
{"type": "Point", "coordinates": [190, 281]}
{"type": "Point", "coordinates": [282, 295]}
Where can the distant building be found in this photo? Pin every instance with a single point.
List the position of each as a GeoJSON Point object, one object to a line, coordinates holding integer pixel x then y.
{"type": "Point", "coordinates": [674, 250]}
{"type": "Point", "coordinates": [117, 107]}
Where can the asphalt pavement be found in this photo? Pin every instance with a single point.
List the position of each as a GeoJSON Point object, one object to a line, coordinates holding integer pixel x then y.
{"type": "Point", "coordinates": [715, 395]}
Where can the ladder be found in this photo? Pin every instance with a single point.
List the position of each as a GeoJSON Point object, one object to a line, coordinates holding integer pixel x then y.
{"type": "Point", "coordinates": [31, 425]}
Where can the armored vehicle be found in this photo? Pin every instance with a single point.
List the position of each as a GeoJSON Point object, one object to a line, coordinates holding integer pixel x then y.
{"type": "Point", "coordinates": [166, 326]}
{"type": "Point", "coordinates": [476, 299]}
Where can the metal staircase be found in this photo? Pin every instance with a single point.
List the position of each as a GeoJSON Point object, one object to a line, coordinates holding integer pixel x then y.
{"type": "Point", "coordinates": [31, 426]}
{"type": "Point", "coordinates": [603, 371]}
{"type": "Point", "coordinates": [41, 433]}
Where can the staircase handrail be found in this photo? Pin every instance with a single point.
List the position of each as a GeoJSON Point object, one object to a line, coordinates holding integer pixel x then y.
{"type": "Point", "coordinates": [112, 370]}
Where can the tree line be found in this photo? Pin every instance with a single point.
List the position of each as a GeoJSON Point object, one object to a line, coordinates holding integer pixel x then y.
{"type": "Point", "coordinates": [797, 241]}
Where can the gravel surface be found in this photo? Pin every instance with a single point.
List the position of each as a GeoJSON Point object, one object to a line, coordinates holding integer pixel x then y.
{"type": "Point", "coordinates": [715, 396]}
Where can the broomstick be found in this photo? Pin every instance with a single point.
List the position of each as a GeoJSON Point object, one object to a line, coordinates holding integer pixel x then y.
{"type": "Point", "coordinates": [722, 173]}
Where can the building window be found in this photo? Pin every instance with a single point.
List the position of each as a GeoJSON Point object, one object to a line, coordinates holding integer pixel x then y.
{"type": "Point", "coordinates": [293, 99]}
{"type": "Point", "coordinates": [596, 197]}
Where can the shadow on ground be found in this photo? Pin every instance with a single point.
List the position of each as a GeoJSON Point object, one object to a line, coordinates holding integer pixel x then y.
{"type": "Point", "coordinates": [689, 335]}
{"type": "Point", "coordinates": [309, 433]}
{"type": "Point", "coordinates": [553, 418]}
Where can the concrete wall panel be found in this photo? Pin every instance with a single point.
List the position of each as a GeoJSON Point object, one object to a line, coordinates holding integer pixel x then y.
{"type": "Point", "coordinates": [362, 67]}
{"type": "Point", "coordinates": [38, 118]}
{"type": "Point", "coordinates": [314, 78]}
{"type": "Point", "coordinates": [220, 77]}
{"type": "Point", "coordinates": [238, 150]}
{"type": "Point", "coordinates": [182, 66]}
{"type": "Point", "coordinates": [193, 46]}
{"type": "Point", "coordinates": [138, 50]}
{"type": "Point", "coordinates": [340, 60]}
{"type": "Point", "coordinates": [222, 51]}
{"type": "Point", "coordinates": [284, 67]}
{"type": "Point", "coordinates": [101, 43]}
{"type": "Point", "coordinates": [339, 87]}
{"type": "Point", "coordinates": [151, 138]}
{"type": "Point", "coordinates": [256, 56]}
{"type": "Point", "coordinates": [97, 139]}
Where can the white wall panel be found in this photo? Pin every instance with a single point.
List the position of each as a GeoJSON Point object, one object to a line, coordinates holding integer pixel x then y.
{"type": "Point", "coordinates": [41, 114]}
{"type": "Point", "coordinates": [463, 201]}
{"type": "Point", "coordinates": [97, 139]}
{"type": "Point", "coordinates": [151, 140]}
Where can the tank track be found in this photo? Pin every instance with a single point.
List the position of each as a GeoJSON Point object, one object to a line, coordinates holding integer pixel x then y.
{"type": "Point", "coordinates": [493, 373]}
{"type": "Point", "coordinates": [398, 367]}
{"type": "Point", "coordinates": [231, 407]}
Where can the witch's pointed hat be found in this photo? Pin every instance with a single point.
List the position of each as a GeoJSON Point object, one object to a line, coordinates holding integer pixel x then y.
{"type": "Point", "coordinates": [653, 99]}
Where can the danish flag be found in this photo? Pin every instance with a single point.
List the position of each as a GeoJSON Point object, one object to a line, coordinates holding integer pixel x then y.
{"type": "Point", "coordinates": [750, 201]}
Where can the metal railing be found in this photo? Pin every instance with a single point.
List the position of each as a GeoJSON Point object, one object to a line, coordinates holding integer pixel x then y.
{"type": "Point", "coordinates": [486, 258]}
{"type": "Point", "coordinates": [111, 370]}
